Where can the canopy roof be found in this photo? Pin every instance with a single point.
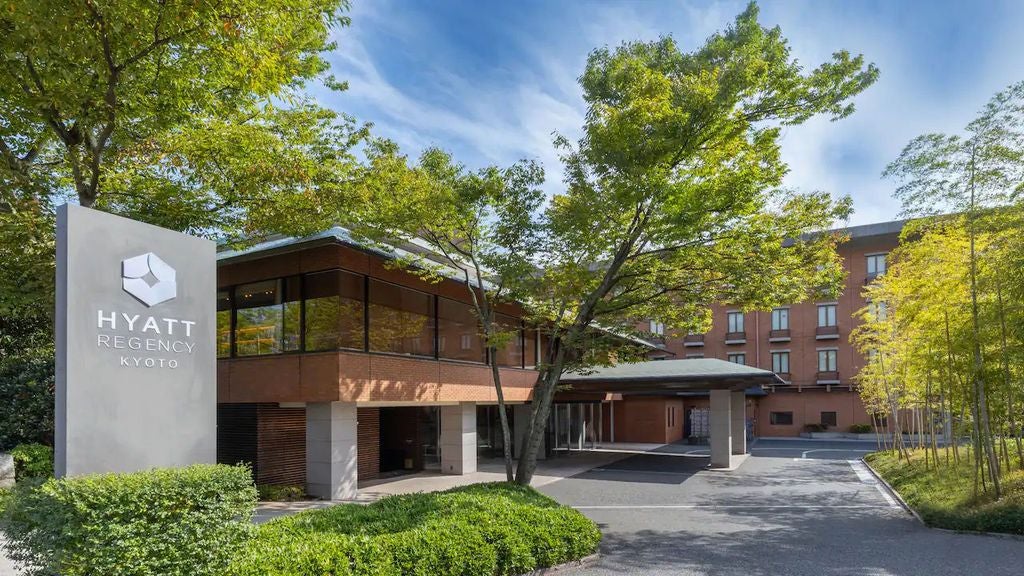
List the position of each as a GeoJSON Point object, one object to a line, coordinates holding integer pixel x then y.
{"type": "Point", "coordinates": [669, 376]}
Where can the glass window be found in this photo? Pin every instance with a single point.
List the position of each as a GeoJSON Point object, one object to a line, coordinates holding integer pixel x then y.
{"type": "Point", "coordinates": [879, 311]}
{"type": "Point", "coordinates": [829, 419]}
{"type": "Point", "coordinates": [223, 324]}
{"type": "Point", "coordinates": [511, 354]}
{"type": "Point", "coordinates": [735, 321]}
{"type": "Point", "coordinates": [826, 360]}
{"type": "Point", "coordinates": [458, 332]}
{"type": "Point", "coordinates": [780, 319]}
{"type": "Point", "coordinates": [401, 320]}
{"type": "Point", "coordinates": [781, 418]}
{"type": "Point", "coordinates": [876, 264]}
{"type": "Point", "coordinates": [826, 315]}
{"type": "Point", "coordinates": [267, 317]}
{"type": "Point", "coordinates": [334, 311]}
{"type": "Point", "coordinates": [738, 358]}
{"type": "Point", "coordinates": [530, 347]}
{"type": "Point", "coordinates": [780, 362]}
{"type": "Point", "coordinates": [657, 328]}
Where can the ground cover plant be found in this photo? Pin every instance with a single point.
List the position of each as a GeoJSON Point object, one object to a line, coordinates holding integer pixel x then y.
{"type": "Point", "coordinates": [483, 529]}
{"type": "Point", "coordinates": [944, 496]}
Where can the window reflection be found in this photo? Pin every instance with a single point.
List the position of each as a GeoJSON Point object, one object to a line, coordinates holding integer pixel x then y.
{"type": "Point", "coordinates": [267, 317]}
{"type": "Point", "coordinates": [458, 332]}
{"type": "Point", "coordinates": [511, 353]}
{"type": "Point", "coordinates": [334, 311]}
{"type": "Point", "coordinates": [401, 320]}
{"type": "Point", "coordinates": [223, 324]}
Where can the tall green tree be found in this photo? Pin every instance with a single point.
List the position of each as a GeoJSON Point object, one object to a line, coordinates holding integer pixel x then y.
{"type": "Point", "coordinates": [969, 175]}
{"type": "Point", "coordinates": [671, 198]}
{"type": "Point", "coordinates": [481, 226]}
{"type": "Point", "coordinates": [189, 115]}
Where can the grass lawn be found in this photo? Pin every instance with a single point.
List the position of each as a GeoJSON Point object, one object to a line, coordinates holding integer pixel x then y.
{"type": "Point", "coordinates": [481, 529]}
{"type": "Point", "coordinates": [944, 497]}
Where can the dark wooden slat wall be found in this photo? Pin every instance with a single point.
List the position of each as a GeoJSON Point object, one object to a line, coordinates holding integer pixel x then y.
{"type": "Point", "coordinates": [281, 445]}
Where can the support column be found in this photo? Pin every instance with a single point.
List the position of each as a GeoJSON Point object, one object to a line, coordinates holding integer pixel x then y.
{"type": "Point", "coordinates": [739, 421]}
{"type": "Point", "coordinates": [331, 450]}
{"type": "Point", "coordinates": [458, 439]}
{"type": "Point", "coordinates": [721, 428]}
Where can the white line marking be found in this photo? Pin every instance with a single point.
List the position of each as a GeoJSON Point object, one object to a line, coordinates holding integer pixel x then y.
{"type": "Point", "coordinates": [862, 473]}
{"type": "Point", "coordinates": [735, 506]}
{"type": "Point", "coordinates": [806, 452]}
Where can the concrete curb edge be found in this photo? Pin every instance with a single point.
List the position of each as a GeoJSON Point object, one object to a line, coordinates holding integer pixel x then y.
{"type": "Point", "coordinates": [910, 509]}
{"type": "Point", "coordinates": [584, 562]}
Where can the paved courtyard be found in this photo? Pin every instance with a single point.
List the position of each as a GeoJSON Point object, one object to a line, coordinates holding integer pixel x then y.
{"type": "Point", "coordinates": [792, 508]}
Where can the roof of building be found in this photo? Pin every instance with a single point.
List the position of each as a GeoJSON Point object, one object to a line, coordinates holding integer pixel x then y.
{"type": "Point", "coordinates": [671, 376]}
{"type": "Point", "coordinates": [877, 229]}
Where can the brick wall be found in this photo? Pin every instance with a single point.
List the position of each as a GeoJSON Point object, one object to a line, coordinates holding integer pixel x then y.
{"type": "Point", "coordinates": [368, 443]}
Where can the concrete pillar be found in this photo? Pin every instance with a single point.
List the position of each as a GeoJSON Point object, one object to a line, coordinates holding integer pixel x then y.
{"type": "Point", "coordinates": [739, 421]}
{"type": "Point", "coordinates": [458, 439]}
{"type": "Point", "coordinates": [331, 446]}
{"type": "Point", "coordinates": [520, 421]}
{"type": "Point", "coordinates": [721, 428]}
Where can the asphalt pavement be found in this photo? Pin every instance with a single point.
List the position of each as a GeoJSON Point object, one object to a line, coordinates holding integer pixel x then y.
{"type": "Point", "coordinates": [792, 508]}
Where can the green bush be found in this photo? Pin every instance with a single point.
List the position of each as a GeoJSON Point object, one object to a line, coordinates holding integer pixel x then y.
{"type": "Point", "coordinates": [815, 427]}
{"type": "Point", "coordinates": [180, 521]}
{"type": "Point", "coordinates": [280, 493]}
{"type": "Point", "coordinates": [860, 428]}
{"type": "Point", "coordinates": [32, 461]}
{"type": "Point", "coordinates": [483, 529]}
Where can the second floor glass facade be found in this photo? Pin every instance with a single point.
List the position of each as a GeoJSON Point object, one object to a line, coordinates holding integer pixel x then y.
{"type": "Point", "coordinates": [342, 310]}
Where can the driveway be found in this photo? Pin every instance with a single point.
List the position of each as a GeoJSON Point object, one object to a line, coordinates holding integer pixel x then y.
{"type": "Point", "coordinates": [792, 508]}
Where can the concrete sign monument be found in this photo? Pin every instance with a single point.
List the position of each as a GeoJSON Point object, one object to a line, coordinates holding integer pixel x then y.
{"type": "Point", "coordinates": [136, 357]}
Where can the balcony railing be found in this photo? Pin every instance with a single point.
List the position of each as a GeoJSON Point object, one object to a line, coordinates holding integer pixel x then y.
{"type": "Point", "coordinates": [693, 340]}
{"type": "Point", "coordinates": [826, 332]}
{"type": "Point", "coordinates": [735, 337]}
{"type": "Point", "coordinates": [778, 335]}
{"type": "Point", "coordinates": [831, 377]}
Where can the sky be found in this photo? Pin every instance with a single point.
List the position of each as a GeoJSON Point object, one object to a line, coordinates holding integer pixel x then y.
{"type": "Point", "coordinates": [492, 82]}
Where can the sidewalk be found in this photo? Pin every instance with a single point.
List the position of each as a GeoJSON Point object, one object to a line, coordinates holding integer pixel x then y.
{"type": "Point", "coordinates": [491, 470]}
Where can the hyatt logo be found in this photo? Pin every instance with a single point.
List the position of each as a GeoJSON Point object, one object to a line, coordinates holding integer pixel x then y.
{"type": "Point", "coordinates": [149, 279]}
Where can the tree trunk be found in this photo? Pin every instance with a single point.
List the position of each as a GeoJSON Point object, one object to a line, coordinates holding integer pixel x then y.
{"type": "Point", "coordinates": [543, 396]}
{"type": "Point", "coordinates": [506, 434]}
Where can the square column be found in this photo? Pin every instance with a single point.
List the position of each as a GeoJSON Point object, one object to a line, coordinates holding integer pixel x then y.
{"type": "Point", "coordinates": [520, 423]}
{"type": "Point", "coordinates": [721, 428]}
{"type": "Point", "coordinates": [331, 450]}
{"type": "Point", "coordinates": [739, 421]}
{"type": "Point", "coordinates": [458, 439]}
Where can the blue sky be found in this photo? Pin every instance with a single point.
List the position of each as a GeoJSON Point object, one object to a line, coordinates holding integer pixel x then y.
{"type": "Point", "coordinates": [491, 81]}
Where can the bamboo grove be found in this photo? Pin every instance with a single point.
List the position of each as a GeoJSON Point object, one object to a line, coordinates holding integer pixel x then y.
{"type": "Point", "coordinates": [943, 331]}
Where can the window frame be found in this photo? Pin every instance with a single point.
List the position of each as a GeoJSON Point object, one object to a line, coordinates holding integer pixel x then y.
{"type": "Point", "coordinates": [730, 358]}
{"type": "Point", "coordinates": [828, 308]}
{"type": "Point", "coordinates": [780, 354]}
{"type": "Point", "coordinates": [872, 261]}
{"type": "Point", "coordinates": [832, 353]}
{"type": "Point", "coordinates": [780, 314]}
{"type": "Point", "coordinates": [731, 324]}
{"type": "Point", "coordinates": [773, 416]}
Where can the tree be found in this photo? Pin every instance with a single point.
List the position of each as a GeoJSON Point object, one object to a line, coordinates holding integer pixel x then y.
{"type": "Point", "coordinates": [969, 176]}
{"type": "Point", "coordinates": [481, 227]}
{"type": "Point", "coordinates": [671, 198]}
{"type": "Point", "coordinates": [188, 115]}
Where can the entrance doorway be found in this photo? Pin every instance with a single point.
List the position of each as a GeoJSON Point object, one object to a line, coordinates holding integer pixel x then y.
{"type": "Point", "coordinates": [575, 426]}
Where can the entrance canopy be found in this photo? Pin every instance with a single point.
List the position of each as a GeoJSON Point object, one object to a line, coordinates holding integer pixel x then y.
{"type": "Point", "coordinates": [669, 376]}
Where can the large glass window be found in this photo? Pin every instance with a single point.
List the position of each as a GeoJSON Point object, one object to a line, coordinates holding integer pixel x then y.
{"type": "Point", "coordinates": [458, 332]}
{"type": "Point", "coordinates": [267, 317]}
{"type": "Point", "coordinates": [735, 321]}
{"type": "Point", "coordinates": [334, 311]}
{"type": "Point", "coordinates": [511, 354]}
{"type": "Point", "coordinates": [780, 319]}
{"type": "Point", "coordinates": [827, 360]}
{"type": "Point", "coordinates": [826, 315]}
{"type": "Point", "coordinates": [780, 362]}
{"type": "Point", "coordinates": [876, 264]}
{"type": "Point", "coordinates": [401, 320]}
{"type": "Point", "coordinates": [223, 324]}
{"type": "Point", "coordinates": [739, 358]}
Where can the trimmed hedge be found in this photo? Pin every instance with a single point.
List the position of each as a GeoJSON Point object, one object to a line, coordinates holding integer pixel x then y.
{"type": "Point", "coordinates": [179, 521]}
{"type": "Point", "coordinates": [482, 529]}
{"type": "Point", "coordinates": [32, 461]}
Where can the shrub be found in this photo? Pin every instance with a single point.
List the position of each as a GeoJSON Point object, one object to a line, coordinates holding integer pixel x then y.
{"type": "Point", "coordinates": [860, 428]}
{"type": "Point", "coordinates": [481, 529]}
{"type": "Point", "coordinates": [32, 461]}
{"type": "Point", "coordinates": [280, 493]}
{"type": "Point", "coordinates": [165, 521]}
{"type": "Point", "coordinates": [815, 428]}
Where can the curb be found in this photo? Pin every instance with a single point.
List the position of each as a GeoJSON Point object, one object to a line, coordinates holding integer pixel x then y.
{"type": "Point", "coordinates": [1003, 535]}
{"type": "Point", "coordinates": [585, 562]}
